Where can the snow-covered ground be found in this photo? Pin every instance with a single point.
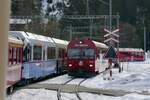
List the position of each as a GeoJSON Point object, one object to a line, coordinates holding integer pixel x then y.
{"type": "Point", "coordinates": [135, 77]}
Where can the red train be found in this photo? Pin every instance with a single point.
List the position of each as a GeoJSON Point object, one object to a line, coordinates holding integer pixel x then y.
{"type": "Point", "coordinates": [131, 54]}
{"type": "Point", "coordinates": [83, 58]}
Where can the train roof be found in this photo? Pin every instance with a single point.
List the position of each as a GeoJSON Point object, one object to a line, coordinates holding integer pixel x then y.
{"type": "Point", "coordinates": [85, 42]}
{"type": "Point", "coordinates": [131, 49]}
{"type": "Point", "coordinates": [100, 45]}
{"type": "Point", "coordinates": [39, 39]}
{"type": "Point", "coordinates": [31, 38]}
{"type": "Point", "coordinates": [97, 44]}
{"type": "Point", "coordinates": [15, 40]}
{"type": "Point", "coordinates": [59, 43]}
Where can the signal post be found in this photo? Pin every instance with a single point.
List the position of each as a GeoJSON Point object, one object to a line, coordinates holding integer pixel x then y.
{"type": "Point", "coordinates": [110, 39]}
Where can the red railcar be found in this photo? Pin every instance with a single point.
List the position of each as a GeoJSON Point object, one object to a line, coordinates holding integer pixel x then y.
{"type": "Point", "coordinates": [82, 58]}
{"type": "Point", "coordinates": [15, 60]}
{"type": "Point", "coordinates": [131, 54]}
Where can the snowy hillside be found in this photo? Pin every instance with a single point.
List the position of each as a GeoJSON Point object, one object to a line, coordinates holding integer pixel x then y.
{"type": "Point", "coordinates": [54, 7]}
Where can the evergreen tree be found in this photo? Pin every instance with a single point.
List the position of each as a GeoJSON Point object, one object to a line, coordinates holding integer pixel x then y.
{"type": "Point", "coordinates": [131, 14]}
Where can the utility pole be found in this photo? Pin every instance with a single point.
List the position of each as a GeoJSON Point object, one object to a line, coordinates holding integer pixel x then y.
{"type": "Point", "coordinates": [70, 28]}
{"type": "Point", "coordinates": [118, 34]}
{"type": "Point", "coordinates": [144, 33]}
{"type": "Point", "coordinates": [91, 28]}
{"type": "Point", "coordinates": [110, 18]}
{"type": "Point", "coordinates": [144, 38]}
{"type": "Point", "coordinates": [4, 27]}
{"type": "Point", "coordinates": [87, 7]}
{"type": "Point", "coordinates": [91, 20]}
{"type": "Point", "coordinates": [110, 15]}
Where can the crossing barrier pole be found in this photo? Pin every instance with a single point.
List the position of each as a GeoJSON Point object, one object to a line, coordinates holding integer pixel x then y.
{"type": "Point", "coordinates": [110, 66]}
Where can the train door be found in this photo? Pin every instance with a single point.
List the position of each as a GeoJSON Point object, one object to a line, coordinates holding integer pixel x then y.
{"type": "Point", "coordinates": [97, 60]}
{"type": "Point", "coordinates": [51, 59]}
{"type": "Point", "coordinates": [27, 53]}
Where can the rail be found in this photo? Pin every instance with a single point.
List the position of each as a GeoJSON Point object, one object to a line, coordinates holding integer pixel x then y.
{"type": "Point", "coordinates": [59, 90]}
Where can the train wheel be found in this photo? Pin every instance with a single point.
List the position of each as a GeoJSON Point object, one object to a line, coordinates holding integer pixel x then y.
{"type": "Point", "coordinates": [27, 82]}
{"type": "Point", "coordinates": [10, 90]}
{"type": "Point", "coordinates": [97, 72]}
{"type": "Point", "coordinates": [120, 69]}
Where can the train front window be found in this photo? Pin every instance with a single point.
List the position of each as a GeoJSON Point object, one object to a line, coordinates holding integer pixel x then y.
{"type": "Point", "coordinates": [88, 53]}
{"type": "Point", "coordinates": [84, 53]}
{"type": "Point", "coordinates": [74, 53]}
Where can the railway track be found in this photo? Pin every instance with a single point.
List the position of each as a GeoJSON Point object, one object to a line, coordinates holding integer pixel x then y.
{"type": "Point", "coordinates": [59, 90]}
{"type": "Point", "coordinates": [78, 85]}
{"type": "Point", "coordinates": [76, 88]}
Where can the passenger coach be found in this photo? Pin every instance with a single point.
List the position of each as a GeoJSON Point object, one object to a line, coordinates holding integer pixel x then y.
{"type": "Point", "coordinates": [42, 55]}
{"type": "Point", "coordinates": [15, 60]}
{"type": "Point", "coordinates": [131, 54]}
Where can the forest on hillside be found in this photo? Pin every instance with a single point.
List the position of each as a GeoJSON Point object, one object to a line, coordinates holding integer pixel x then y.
{"type": "Point", "coordinates": [46, 18]}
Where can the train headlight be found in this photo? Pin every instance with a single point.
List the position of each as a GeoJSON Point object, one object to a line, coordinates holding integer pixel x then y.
{"type": "Point", "coordinates": [91, 65]}
{"type": "Point", "coordinates": [70, 65]}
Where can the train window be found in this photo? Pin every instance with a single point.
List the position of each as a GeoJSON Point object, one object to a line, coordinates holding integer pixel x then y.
{"type": "Point", "coordinates": [16, 60]}
{"type": "Point", "coordinates": [37, 53]}
{"type": "Point", "coordinates": [135, 53]}
{"type": "Point", "coordinates": [14, 55]}
{"type": "Point", "coordinates": [88, 53]}
{"type": "Point", "coordinates": [84, 53]}
{"type": "Point", "coordinates": [132, 53]}
{"type": "Point", "coordinates": [138, 54]}
{"type": "Point", "coordinates": [129, 53]}
{"type": "Point", "coordinates": [27, 54]}
{"type": "Point", "coordinates": [44, 54]}
{"type": "Point", "coordinates": [50, 53]}
{"type": "Point", "coordinates": [19, 55]}
{"type": "Point", "coordinates": [61, 53]}
{"type": "Point", "coordinates": [74, 53]}
{"type": "Point", "coordinates": [10, 55]}
{"type": "Point", "coordinates": [12, 60]}
{"type": "Point", "coordinates": [141, 54]}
